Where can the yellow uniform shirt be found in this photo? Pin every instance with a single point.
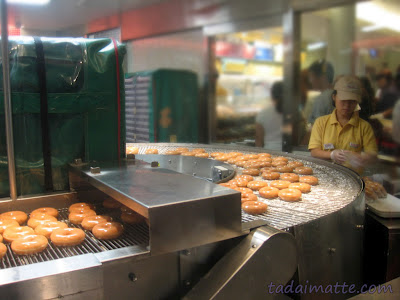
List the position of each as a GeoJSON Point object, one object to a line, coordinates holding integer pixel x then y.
{"type": "Point", "coordinates": [357, 135]}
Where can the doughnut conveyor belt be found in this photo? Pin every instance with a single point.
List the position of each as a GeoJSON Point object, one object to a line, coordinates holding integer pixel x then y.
{"type": "Point", "coordinates": [337, 187]}
{"type": "Point", "coordinates": [197, 243]}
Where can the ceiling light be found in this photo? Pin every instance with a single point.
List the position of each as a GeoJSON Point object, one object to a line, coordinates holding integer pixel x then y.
{"type": "Point", "coordinates": [315, 46]}
{"type": "Point", "coordinates": [372, 28]}
{"type": "Point", "coordinates": [378, 16]}
{"type": "Point", "coordinates": [29, 2]}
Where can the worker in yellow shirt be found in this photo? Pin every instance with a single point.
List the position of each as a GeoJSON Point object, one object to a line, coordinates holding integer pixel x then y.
{"type": "Point", "coordinates": [343, 136]}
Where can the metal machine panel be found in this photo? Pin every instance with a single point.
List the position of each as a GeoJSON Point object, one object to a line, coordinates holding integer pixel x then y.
{"type": "Point", "coordinates": [183, 211]}
{"type": "Point", "coordinates": [53, 279]}
{"type": "Point", "coordinates": [265, 256]}
{"type": "Point", "coordinates": [155, 277]}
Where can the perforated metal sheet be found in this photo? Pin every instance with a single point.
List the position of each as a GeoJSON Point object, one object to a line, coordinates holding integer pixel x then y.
{"type": "Point", "coordinates": [337, 187]}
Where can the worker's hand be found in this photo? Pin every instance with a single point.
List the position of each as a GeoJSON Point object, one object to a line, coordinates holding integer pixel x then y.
{"type": "Point", "coordinates": [355, 159]}
{"type": "Point", "coordinates": [339, 156]}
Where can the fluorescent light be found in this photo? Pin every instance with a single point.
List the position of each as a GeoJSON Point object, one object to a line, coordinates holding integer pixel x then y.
{"type": "Point", "coordinates": [315, 46]}
{"type": "Point", "coordinates": [29, 2]}
{"type": "Point", "coordinates": [378, 16]}
{"type": "Point", "coordinates": [371, 28]}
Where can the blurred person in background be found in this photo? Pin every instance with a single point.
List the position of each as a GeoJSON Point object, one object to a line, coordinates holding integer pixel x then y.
{"type": "Point", "coordinates": [269, 121]}
{"type": "Point", "coordinates": [343, 136]}
{"type": "Point", "coordinates": [367, 99]}
{"type": "Point", "coordinates": [308, 95]}
{"type": "Point", "coordinates": [368, 106]}
{"type": "Point", "coordinates": [321, 74]}
{"type": "Point", "coordinates": [386, 96]}
{"type": "Point", "coordinates": [396, 123]}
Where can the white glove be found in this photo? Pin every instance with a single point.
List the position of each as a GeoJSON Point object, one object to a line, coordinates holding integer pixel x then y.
{"type": "Point", "coordinates": [355, 160]}
{"type": "Point", "coordinates": [339, 156]}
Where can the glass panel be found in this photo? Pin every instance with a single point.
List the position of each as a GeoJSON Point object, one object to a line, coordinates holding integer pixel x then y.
{"type": "Point", "coordinates": [361, 40]}
{"type": "Point", "coordinates": [248, 64]}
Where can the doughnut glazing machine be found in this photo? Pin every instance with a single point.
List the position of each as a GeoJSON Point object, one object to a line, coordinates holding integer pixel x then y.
{"type": "Point", "coordinates": [197, 243]}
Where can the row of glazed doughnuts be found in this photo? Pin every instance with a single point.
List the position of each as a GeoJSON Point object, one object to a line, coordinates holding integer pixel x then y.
{"type": "Point", "coordinates": [281, 178]}
{"type": "Point", "coordinates": [43, 226]}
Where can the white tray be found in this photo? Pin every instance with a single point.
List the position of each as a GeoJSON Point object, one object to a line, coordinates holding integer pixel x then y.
{"type": "Point", "coordinates": [388, 207]}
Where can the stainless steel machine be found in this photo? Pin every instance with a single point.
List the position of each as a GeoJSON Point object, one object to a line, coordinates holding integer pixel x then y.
{"type": "Point", "coordinates": [196, 242]}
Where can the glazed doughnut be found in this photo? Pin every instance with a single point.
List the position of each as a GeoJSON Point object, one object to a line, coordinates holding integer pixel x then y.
{"type": "Point", "coordinates": [202, 155]}
{"type": "Point", "coordinates": [67, 236]}
{"type": "Point", "coordinates": [16, 215]}
{"type": "Point", "coordinates": [47, 228]}
{"type": "Point", "coordinates": [280, 184]}
{"type": "Point", "coordinates": [245, 177]}
{"type": "Point", "coordinates": [111, 203]}
{"type": "Point", "coordinates": [198, 150]}
{"type": "Point", "coordinates": [303, 170]}
{"type": "Point", "coordinates": [370, 193]}
{"type": "Point", "coordinates": [277, 163]}
{"type": "Point", "coordinates": [243, 190]}
{"type": "Point", "coordinates": [223, 157]}
{"type": "Point", "coordinates": [29, 244]}
{"type": "Point", "coordinates": [252, 165]}
{"type": "Point", "coordinates": [264, 155]}
{"type": "Point", "coordinates": [7, 223]}
{"type": "Point", "coordinates": [188, 153]}
{"type": "Point", "coordinates": [280, 158]}
{"type": "Point", "coordinates": [227, 184]}
{"type": "Point", "coordinates": [284, 169]}
{"type": "Point", "coordinates": [231, 161]}
{"type": "Point", "coordinates": [171, 152]}
{"type": "Point", "coordinates": [251, 156]}
{"type": "Point", "coordinates": [271, 175]}
{"type": "Point", "coordinates": [215, 154]}
{"type": "Point", "coordinates": [256, 185]}
{"type": "Point", "coordinates": [290, 177]}
{"type": "Point", "coordinates": [1, 238]}
{"type": "Point", "coordinates": [269, 192]}
{"type": "Point", "coordinates": [241, 163]}
{"type": "Point", "coordinates": [241, 158]}
{"type": "Point", "coordinates": [366, 178]}
{"type": "Point", "coordinates": [252, 172]}
{"type": "Point", "coordinates": [309, 179]}
{"type": "Point", "coordinates": [238, 182]}
{"type": "Point", "coordinates": [151, 151]}
{"type": "Point", "coordinates": [264, 164]}
{"type": "Point", "coordinates": [235, 154]}
{"type": "Point", "coordinates": [3, 250]}
{"type": "Point", "coordinates": [295, 164]}
{"type": "Point", "coordinates": [254, 207]}
{"type": "Point", "coordinates": [46, 210]}
{"type": "Point", "coordinates": [38, 219]}
{"type": "Point", "coordinates": [108, 230]}
{"type": "Point", "coordinates": [77, 217]}
{"type": "Point", "coordinates": [269, 169]}
{"type": "Point", "coordinates": [89, 222]}
{"type": "Point", "coordinates": [80, 206]}
{"type": "Point", "coordinates": [13, 233]}
{"type": "Point", "coordinates": [182, 149]}
{"type": "Point", "coordinates": [131, 217]}
{"type": "Point", "coordinates": [378, 188]}
{"type": "Point", "coordinates": [290, 195]}
{"type": "Point", "coordinates": [132, 150]}
{"type": "Point", "coordinates": [248, 197]}
{"type": "Point", "coordinates": [301, 186]}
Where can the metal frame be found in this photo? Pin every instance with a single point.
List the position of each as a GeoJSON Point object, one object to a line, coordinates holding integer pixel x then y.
{"type": "Point", "coordinates": [7, 101]}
